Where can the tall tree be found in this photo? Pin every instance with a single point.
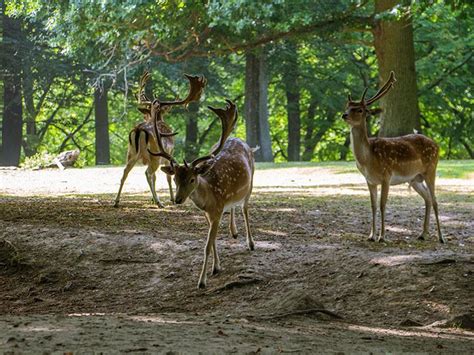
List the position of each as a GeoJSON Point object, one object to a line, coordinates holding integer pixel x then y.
{"type": "Point", "coordinates": [12, 112]}
{"type": "Point", "coordinates": [394, 48]}
{"type": "Point", "coordinates": [256, 105]}
{"type": "Point", "coordinates": [102, 145]}
{"type": "Point", "coordinates": [292, 89]}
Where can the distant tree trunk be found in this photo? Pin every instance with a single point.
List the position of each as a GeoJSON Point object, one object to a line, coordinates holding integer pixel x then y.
{"type": "Point", "coordinates": [12, 111]}
{"type": "Point", "coordinates": [345, 149]}
{"type": "Point", "coordinates": [310, 126]}
{"type": "Point", "coordinates": [264, 126]}
{"type": "Point", "coordinates": [102, 145]}
{"type": "Point", "coordinates": [395, 51]}
{"type": "Point", "coordinates": [251, 102]}
{"type": "Point", "coordinates": [30, 143]}
{"type": "Point", "coordinates": [292, 88]}
{"type": "Point", "coordinates": [256, 106]}
{"type": "Point", "coordinates": [315, 132]}
{"type": "Point", "coordinates": [191, 146]}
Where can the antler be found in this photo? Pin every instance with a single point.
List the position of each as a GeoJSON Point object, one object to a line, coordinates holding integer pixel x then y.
{"type": "Point", "coordinates": [383, 90]}
{"type": "Point", "coordinates": [162, 153]}
{"type": "Point", "coordinates": [228, 117]}
{"type": "Point", "coordinates": [141, 96]}
{"type": "Point", "coordinates": [196, 86]}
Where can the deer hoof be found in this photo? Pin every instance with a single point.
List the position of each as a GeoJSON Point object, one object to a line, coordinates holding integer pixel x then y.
{"type": "Point", "coordinates": [116, 204]}
{"type": "Point", "coordinates": [442, 240]}
{"type": "Point", "coordinates": [251, 246]}
{"type": "Point", "coordinates": [234, 235]}
{"type": "Point", "coordinates": [201, 284]}
{"type": "Point", "coordinates": [381, 240]}
{"type": "Point", "coordinates": [371, 238]}
{"type": "Point", "coordinates": [422, 236]}
{"type": "Point", "coordinates": [216, 270]}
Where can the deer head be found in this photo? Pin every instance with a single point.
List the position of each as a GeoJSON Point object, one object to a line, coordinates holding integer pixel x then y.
{"type": "Point", "coordinates": [357, 111]}
{"type": "Point", "coordinates": [186, 176]}
{"type": "Point", "coordinates": [196, 86]}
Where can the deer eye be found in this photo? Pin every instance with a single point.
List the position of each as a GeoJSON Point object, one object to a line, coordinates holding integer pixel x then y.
{"type": "Point", "coordinates": [192, 181]}
{"type": "Point", "coordinates": [360, 110]}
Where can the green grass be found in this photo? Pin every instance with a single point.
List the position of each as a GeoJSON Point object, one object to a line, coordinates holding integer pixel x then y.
{"type": "Point", "coordinates": [447, 169]}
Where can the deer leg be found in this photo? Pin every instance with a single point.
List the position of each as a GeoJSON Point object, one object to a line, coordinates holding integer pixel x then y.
{"type": "Point", "coordinates": [130, 164]}
{"type": "Point", "coordinates": [151, 178]}
{"type": "Point", "coordinates": [383, 202]}
{"type": "Point", "coordinates": [170, 186]}
{"type": "Point", "coordinates": [250, 242]}
{"type": "Point", "coordinates": [373, 205]}
{"type": "Point", "coordinates": [423, 192]}
{"type": "Point", "coordinates": [216, 263]}
{"type": "Point", "coordinates": [207, 250]}
{"type": "Point", "coordinates": [232, 228]}
{"type": "Point", "coordinates": [430, 183]}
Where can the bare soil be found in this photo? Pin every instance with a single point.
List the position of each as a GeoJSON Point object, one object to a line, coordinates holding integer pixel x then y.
{"type": "Point", "coordinates": [77, 275]}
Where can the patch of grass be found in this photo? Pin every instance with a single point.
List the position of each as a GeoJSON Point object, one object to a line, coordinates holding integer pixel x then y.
{"type": "Point", "coordinates": [447, 169]}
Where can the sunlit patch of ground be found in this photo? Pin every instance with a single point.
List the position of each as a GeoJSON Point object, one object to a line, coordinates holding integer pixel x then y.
{"type": "Point", "coordinates": [126, 278]}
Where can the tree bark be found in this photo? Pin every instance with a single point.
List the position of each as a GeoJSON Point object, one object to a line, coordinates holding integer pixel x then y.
{"type": "Point", "coordinates": [191, 146]}
{"type": "Point", "coordinates": [251, 101]}
{"type": "Point", "coordinates": [102, 145]}
{"type": "Point", "coordinates": [395, 51]}
{"type": "Point", "coordinates": [256, 106]}
{"type": "Point", "coordinates": [292, 89]}
{"type": "Point", "coordinates": [12, 111]}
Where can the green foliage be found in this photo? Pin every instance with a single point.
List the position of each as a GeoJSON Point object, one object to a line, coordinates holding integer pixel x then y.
{"type": "Point", "coordinates": [73, 47]}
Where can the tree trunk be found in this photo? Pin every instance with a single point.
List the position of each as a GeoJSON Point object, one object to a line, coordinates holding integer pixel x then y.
{"type": "Point", "coordinates": [102, 145]}
{"type": "Point", "coordinates": [191, 146]}
{"type": "Point", "coordinates": [310, 126]}
{"type": "Point", "coordinates": [395, 51]}
{"type": "Point", "coordinates": [251, 102]}
{"type": "Point", "coordinates": [12, 111]}
{"type": "Point", "coordinates": [290, 79]}
{"type": "Point", "coordinates": [256, 106]}
{"type": "Point", "coordinates": [30, 141]}
{"type": "Point", "coordinates": [264, 126]}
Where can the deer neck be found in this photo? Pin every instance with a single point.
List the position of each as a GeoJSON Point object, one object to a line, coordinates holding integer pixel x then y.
{"type": "Point", "coordinates": [360, 143]}
{"type": "Point", "coordinates": [200, 194]}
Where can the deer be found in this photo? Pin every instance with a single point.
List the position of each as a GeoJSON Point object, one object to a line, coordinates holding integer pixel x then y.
{"type": "Point", "coordinates": [411, 159]}
{"type": "Point", "coordinates": [142, 136]}
{"type": "Point", "coordinates": [216, 183]}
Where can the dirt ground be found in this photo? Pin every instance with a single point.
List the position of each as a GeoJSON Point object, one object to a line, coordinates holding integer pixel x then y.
{"type": "Point", "coordinates": [77, 275]}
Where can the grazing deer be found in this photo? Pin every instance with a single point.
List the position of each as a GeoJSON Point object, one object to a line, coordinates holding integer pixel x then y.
{"type": "Point", "coordinates": [216, 183]}
{"type": "Point", "coordinates": [142, 138]}
{"type": "Point", "coordinates": [390, 161]}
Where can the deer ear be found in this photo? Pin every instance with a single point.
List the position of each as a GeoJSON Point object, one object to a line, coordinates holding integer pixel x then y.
{"type": "Point", "coordinates": [169, 170]}
{"type": "Point", "coordinates": [203, 168]}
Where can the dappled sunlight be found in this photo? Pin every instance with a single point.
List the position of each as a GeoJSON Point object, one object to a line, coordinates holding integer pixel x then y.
{"type": "Point", "coordinates": [439, 307]}
{"type": "Point", "coordinates": [419, 332]}
{"type": "Point", "coordinates": [269, 245]}
{"type": "Point", "coordinates": [394, 260]}
{"type": "Point", "coordinates": [160, 319]}
{"type": "Point", "coordinates": [273, 232]}
{"type": "Point", "coordinates": [399, 230]}
{"type": "Point", "coordinates": [167, 246]}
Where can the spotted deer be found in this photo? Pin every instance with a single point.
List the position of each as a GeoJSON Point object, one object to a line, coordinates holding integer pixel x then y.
{"type": "Point", "coordinates": [142, 137]}
{"type": "Point", "coordinates": [390, 161]}
{"type": "Point", "coordinates": [216, 183]}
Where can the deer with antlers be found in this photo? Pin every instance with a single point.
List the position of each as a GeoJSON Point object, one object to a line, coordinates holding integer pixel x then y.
{"type": "Point", "coordinates": [142, 137]}
{"type": "Point", "coordinates": [390, 161]}
{"type": "Point", "coordinates": [216, 183]}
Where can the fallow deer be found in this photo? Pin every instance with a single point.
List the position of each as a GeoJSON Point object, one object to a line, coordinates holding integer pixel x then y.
{"type": "Point", "coordinates": [216, 183]}
{"type": "Point", "coordinates": [142, 138]}
{"type": "Point", "coordinates": [390, 161]}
